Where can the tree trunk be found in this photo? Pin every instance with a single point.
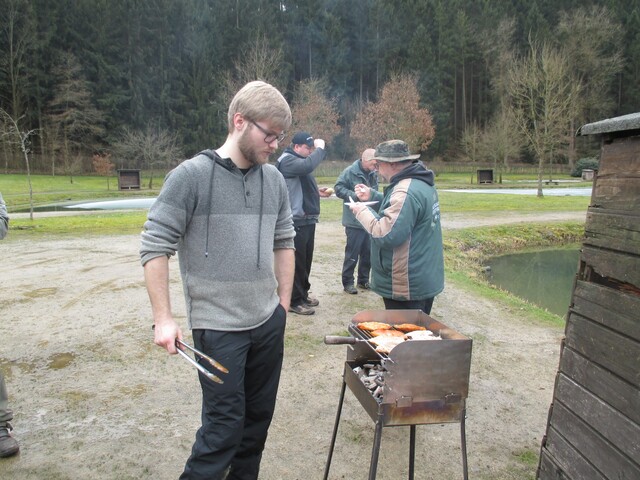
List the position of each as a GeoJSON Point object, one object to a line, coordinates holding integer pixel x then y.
{"type": "Point", "coordinates": [540, 173]}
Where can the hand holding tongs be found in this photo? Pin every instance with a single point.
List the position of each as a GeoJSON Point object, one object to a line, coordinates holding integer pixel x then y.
{"type": "Point", "coordinates": [198, 353]}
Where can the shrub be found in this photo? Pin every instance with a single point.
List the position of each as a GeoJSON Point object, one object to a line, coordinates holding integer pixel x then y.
{"type": "Point", "coordinates": [589, 163]}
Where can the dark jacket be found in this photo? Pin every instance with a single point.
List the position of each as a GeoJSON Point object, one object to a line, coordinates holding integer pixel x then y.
{"type": "Point", "coordinates": [406, 237]}
{"type": "Point", "coordinates": [302, 187]}
{"type": "Point", "coordinates": [348, 179]}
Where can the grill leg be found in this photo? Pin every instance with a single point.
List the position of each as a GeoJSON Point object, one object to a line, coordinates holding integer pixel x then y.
{"type": "Point", "coordinates": [412, 450]}
{"type": "Point", "coordinates": [375, 452]}
{"type": "Point", "coordinates": [335, 431]}
{"type": "Point", "coordinates": [463, 444]}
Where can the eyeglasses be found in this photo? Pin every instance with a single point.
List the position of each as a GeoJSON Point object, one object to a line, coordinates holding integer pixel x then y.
{"type": "Point", "coordinates": [270, 136]}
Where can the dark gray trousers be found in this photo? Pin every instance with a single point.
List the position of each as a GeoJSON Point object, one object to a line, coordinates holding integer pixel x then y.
{"type": "Point", "coordinates": [357, 251]}
{"type": "Point", "coordinates": [424, 305]}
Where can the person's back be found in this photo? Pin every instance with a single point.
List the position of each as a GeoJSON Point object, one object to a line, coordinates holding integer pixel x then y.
{"type": "Point", "coordinates": [408, 261]}
{"type": "Point", "coordinates": [407, 258]}
{"type": "Point", "coordinates": [297, 163]}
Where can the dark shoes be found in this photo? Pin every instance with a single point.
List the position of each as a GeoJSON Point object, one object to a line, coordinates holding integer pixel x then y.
{"type": "Point", "coordinates": [364, 286]}
{"type": "Point", "coordinates": [350, 289]}
{"type": "Point", "coordinates": [8, 445]}
{"type": "Point", "coordinates": [311, 302]}
{"type": "Point", "coordinates": [302, 309]}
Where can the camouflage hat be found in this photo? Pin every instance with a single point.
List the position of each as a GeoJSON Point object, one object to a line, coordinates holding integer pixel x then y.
{"type": "Point", "coordinates": [393, 151]}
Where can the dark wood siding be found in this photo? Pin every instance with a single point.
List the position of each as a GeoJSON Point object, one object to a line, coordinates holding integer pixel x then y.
{"type": "Point", "coordinates": [593, 431]}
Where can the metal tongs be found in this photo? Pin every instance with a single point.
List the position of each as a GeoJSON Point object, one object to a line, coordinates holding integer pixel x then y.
{"type": "Point", "coordinates": [198, 353]}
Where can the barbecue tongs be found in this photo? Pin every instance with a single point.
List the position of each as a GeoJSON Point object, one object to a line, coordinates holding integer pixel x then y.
{"type": "Point", "coordinates": [198, 353]}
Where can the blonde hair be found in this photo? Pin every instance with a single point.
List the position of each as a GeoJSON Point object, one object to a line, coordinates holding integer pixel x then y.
{"type": "Point", "coordinates": [260, 101]}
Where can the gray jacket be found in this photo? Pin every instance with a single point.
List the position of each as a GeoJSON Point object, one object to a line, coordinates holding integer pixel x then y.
{"type": "Point", "coordinates": [4, 219]}
{"type": "Point", "coordinates": [224, 226]}
{"type": "Point", "coordinates": [302, 186]}
{"type": "Point", "coordinates": [348, 179]}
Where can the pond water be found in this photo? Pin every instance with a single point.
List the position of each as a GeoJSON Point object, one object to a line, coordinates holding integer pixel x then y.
{"type": "Point", "coordinates": [544, 278]}
{"type": "Point", "coordinates": [123, 204]}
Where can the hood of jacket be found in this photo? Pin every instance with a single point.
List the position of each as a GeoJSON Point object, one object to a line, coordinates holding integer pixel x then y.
{"type": "Point", "coordinates": [416, 171]}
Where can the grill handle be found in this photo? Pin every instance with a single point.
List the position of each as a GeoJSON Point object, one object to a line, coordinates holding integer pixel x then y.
{"type": "Point", "coordinates": [338, 340]}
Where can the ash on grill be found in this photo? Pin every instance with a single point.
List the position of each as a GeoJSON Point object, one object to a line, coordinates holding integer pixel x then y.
{"type": "Point", "coordinates": [416, 382]}
{"type": "Point", "coordinates": [372, 376]}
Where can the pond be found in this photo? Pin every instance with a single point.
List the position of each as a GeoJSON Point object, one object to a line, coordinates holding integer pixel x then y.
{"type": "Point", "coordinates": [122, 204]}
{"type": "Point", "coordinates": [544, 278]}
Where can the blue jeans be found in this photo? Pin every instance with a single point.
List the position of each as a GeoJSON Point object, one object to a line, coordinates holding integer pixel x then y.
{"type": "Point", "coordinates": [236, 415]}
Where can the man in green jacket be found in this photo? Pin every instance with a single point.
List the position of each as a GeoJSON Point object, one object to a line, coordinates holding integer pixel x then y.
{"type": "Point", "coordinates": [407, 263]}
{"type": "Point", "coordinates": [358, 248]}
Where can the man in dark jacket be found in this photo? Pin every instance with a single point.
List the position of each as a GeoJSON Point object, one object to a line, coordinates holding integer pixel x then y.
{"type": "Point", "coordinates": [357, 249]}
{"type": "Point", "coordinates": [297, 163]}
{"type": "Point", "coordinates": [407, 261]}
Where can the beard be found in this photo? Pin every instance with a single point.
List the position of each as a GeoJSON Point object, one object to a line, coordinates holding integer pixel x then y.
{"type": "Point", "coordinates": [249, 151]}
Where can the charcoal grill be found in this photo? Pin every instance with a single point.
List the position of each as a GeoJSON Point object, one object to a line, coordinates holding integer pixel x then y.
{"type": "Point", "coordinates": [420, 381]}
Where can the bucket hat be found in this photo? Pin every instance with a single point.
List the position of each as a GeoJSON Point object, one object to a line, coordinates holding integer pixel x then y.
{"type": "Point", "coordinates": [393, 151]}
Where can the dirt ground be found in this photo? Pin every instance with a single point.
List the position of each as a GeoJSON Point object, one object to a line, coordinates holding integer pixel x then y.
{"type": "Point", "coordinates": [93, 398]}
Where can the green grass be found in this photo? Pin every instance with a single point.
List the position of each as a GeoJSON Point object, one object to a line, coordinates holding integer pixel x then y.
{"type": "Point", "coordinates": [48, 189]}
{"type": "Point", "coordinates": [96, 224]}
{"type": "Point", "coordinates": [466, 250]}
{"type": "Point", "coordinates": [487, 202]}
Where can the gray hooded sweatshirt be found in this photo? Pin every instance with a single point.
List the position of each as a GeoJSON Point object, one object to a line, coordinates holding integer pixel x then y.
{"type": "Point", "coordinates": [224, 226]}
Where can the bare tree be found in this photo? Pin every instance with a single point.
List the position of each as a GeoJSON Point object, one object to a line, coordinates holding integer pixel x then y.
{"type": "Point", "coordinates": [312, 111]}
{"type": "Point", "coordinates": [592, 41]}
{"type": "Point", "coordinates": [12, 133]}
{"type": "Point", "coordinates": [153, 147]}
{"type": "Point", "coordinates": [16, 29]}
{"type": "Point", "coordinates": [103, 166]}
{"type": "Point", "coordinates": [397, 114]}
{"type": "Point", "coordinates": [259, 60]}
{"type": "Point", "coordinates": [471, 142]}
{"type": "Point", "coordinates": [542, 93]}
{"type": "Point", "coordinates": [501, 139]}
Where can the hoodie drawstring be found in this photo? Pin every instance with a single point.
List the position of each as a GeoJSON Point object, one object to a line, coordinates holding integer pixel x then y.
{"type": "Point", "coordinates": [261, 212]}
{"type": "Point", "coordinates": [206, 246]}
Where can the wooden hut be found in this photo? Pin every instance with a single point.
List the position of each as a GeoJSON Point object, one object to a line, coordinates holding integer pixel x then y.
{"type": "Point", "coordinates": [593, 429]}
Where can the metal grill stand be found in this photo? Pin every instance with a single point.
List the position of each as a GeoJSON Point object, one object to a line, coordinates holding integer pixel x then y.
{"type": "Point", "coordinates": [425, 382]}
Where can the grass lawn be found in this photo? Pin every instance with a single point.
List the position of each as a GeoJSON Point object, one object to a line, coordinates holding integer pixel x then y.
{"type": "Point", "coordinates": [466, 250]}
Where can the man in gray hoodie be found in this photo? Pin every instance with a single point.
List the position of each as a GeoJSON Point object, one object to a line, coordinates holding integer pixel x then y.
{"type": "Point", "coordinates": [227, 213]}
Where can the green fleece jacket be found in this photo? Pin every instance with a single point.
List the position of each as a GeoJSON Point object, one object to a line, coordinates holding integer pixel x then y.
{"type": "Point", "coordinates": [407, 261]}
{"type": "Point", "coordinates": [224, 226]}
{"type": "Point", "coordinates": [348, 179]}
